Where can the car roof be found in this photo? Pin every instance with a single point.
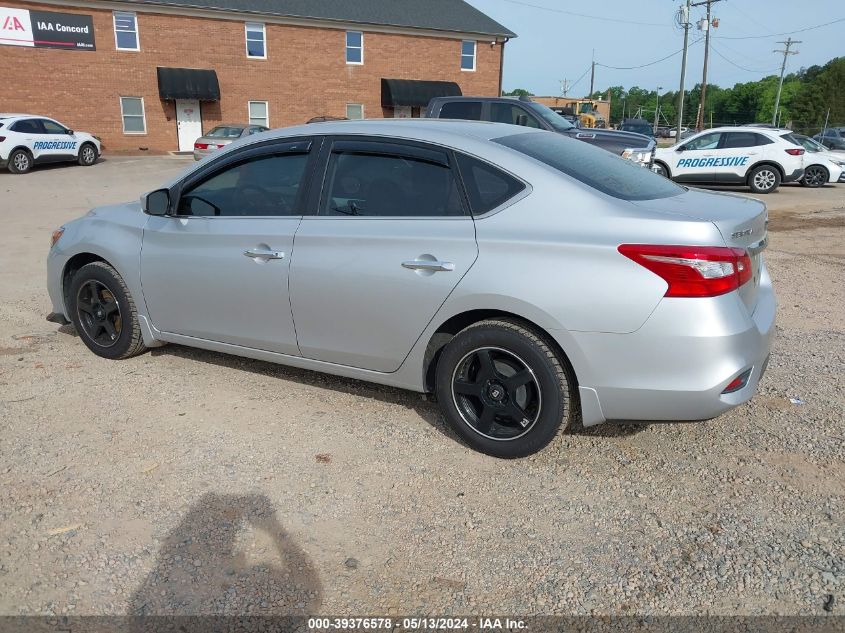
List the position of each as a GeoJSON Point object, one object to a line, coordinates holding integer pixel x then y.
{"type": "Point", "coordinates": [745, 128]}
{"type": "Point", "coordinates": [18, 115]}
{"type": "Point", "coordinates": [421, 129]}
{"type": "Point", "coordinates": [241, 125]}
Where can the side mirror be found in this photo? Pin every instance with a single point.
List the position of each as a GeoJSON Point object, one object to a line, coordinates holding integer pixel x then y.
{"type": "Point", "coordinates": [680, 148]}
{"type": "Point", "coordinates": [522, 119]}
{"type": "Point", "coordinates": [156, 202]}
{"type": "Point", "coordinates": [69, 132]}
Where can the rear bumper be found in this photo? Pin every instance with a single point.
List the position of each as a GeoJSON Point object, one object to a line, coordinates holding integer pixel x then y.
{"type": "Point", "coordinates": [678, 364]}
{"type": "Point", "coordinates": [795, 176]}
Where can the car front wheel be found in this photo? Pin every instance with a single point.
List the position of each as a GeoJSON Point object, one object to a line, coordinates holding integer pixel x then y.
{"type": "Point", "coordinates": [20, 161]}
{"type": "Point", "coordinates": [815, 176]}
{"type": "Point", "coordinates": [764, 179]}
{"type": "Point", "coordinates": [660, 168]}
{"type": "Point", "coordinates": [87, 154]}
{"type": "Point", "coordinates": [104, 313]}
{"type": "Point", "coordinates": [503, 388]}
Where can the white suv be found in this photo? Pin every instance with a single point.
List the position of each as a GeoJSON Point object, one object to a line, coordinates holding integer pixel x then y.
{"type": "Point", "coordinates": [757, 157]}
{"type": "Point", "coordinates": [27, 139]}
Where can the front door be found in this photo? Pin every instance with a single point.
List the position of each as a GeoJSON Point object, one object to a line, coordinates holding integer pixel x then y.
{"type": "Point", "coordinates": [391, 241]}
{"type": "Point", "coordinates": [217, 269]}
{"type": "Point", "coordinates": [188, 123]}
{"type": "Point", "coordinates": [695, 159]}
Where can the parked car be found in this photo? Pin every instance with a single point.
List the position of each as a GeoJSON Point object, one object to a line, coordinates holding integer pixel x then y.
{"type": "Point", "coordinates": [685, 132]}
{"type": "Point", "coordinates": [663, 131]}
{"type": "Point", "coordinates": [515, 273]}
{"type": "Point", "coordinates": [220, 136]}
{"type": "Point", "coordinates": [760, 158]}
{"type": "Point", "coordinates": [832, 138]}
{"type": "Point", "coordinates": [640, 126]}
{"type": "Point", "coordinates": [27, 140]}
{"type": "Point", "coordinates": [527, 113]}
{"type": "Point", "coordinates": [821, 166]}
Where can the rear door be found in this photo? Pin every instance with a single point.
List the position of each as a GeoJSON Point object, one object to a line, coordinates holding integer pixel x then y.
{"type": "Point", "coordinates": [737, 152]}
{"type": "Point", "coordinates": [391, 240]}
{"type": "Point", "coordinates": [694, 160]}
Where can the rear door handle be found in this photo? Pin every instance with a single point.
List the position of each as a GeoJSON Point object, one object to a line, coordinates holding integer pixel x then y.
{"type": "Point", "coordinates": [427, 264]}
{"type": "Point", "coordinates": [254, 253]}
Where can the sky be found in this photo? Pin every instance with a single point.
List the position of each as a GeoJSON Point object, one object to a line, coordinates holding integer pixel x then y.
{"type": "Point", "coordinates": [552, 45]}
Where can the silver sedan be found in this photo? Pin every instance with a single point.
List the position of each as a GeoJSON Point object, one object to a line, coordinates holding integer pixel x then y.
{"type": "Point", "coordinates": [220, 136]}
{"type": "Point", "coordinates": [525, 278]}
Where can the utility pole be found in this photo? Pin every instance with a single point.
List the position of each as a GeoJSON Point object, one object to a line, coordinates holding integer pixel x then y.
{"type": "Point", "coordinates": [593, 75]}
{"type": "Point", "coordinates": [564, 87]}
{"type": "Point", "coordinates": [699, 123]}
{"type": "Point", "coordinates": [684, 17]}
{"type": "Point", "coordinates": [657, 109]}
{"type": "Point", "coordinates": [786, 52]}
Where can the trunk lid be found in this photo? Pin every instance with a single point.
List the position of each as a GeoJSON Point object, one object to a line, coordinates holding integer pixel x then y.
{"type": "Point", "coordinates": [741, 220]}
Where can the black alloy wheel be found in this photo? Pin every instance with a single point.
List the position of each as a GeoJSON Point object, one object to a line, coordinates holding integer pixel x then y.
{"type": "Point", "coordinates": [99, 313]}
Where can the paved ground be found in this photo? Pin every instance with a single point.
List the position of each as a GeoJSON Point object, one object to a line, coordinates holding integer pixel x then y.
{"type": "Point", "coordinates": [184, 481]}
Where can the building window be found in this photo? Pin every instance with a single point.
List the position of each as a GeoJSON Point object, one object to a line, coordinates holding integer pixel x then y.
{"type": "Point", "coordinates": [468, 55]}
{"type": "Point", "coordinates": [258, 113]}
{"type": "Point", "coordinates": [126, 31]}
{"type": "Point", "coordinates": [354, 47]}
{"type": "Point", "coordinates": [354, 111]}
{"type": "Point", "coordinates": [256, 38]}
{"type": "Point", "coordinates": [132, 111]}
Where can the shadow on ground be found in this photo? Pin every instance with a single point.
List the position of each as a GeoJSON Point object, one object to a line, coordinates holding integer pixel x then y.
{"type": "Point", "coordinates": [230, 555]}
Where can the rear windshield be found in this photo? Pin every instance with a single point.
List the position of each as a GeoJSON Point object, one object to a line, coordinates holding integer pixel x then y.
{"type": "Point", "coordinates": [596, 168]}
{"type": "Point", "coordinates": [223, 131]}
{"type": "Point", "coordinates": [645, 130]}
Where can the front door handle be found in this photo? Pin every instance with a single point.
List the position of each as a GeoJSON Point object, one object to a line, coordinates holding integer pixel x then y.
{"type": "Point", "coordinates": [427, 264]}
{"type": "Point", "coordinates": [264, 254]}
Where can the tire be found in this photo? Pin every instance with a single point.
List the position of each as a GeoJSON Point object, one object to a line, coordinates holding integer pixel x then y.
{"type": "Point", "coordinates": [815, 176]}
{"type": "Point", "coordinates": [660, 168]}
{"type": "Point", "coordinates": [87, 155]}
{"type": "Point", "coordinates": [503, 389]}
{"type": "Point", "coordinates": [20, 161]}
{"type": "Point", "coordinates": [103, 312]}
{"type": "Point", "coordinates": [764, 179]}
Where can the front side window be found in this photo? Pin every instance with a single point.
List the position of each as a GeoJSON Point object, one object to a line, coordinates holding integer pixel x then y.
{"type": "Point", "coordinates": [468, 55]}
{"type": "Point", "coordinates": [487, 187]}
{"type": "Point", "coordinates": [513, 114]}
{"type": "Point", "coordinates": [51, 127]}
{"type": "Point", "coordinates": [126, 31]}
{"type": "Point", "coordinates": [256, 36]}
{"type": "Point", "coordinates": [377, 185]}
{"type": "Point", "coordinates": [132, 111]}
{"type": "Point", "coordinates": [595, 167]}
{"type": "Point", "coordinates": [262, 186]}
{"type": "Point", "coordinates": [705, 141]}
{"type": "Point", "coordinates": [468, 110]}
{"type": "Point", "coordinates": [354, 111]}
{"type": "Point", "coordinates": [259, 113]}
{"type": "Point", "coordinates": [354, 47]}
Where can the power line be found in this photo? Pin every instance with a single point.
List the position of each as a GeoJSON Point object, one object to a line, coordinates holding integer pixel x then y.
{"type": "Point", "coordinates": [732, 63]}
{"type": "Point", "coordinates": [584, 74]}
{"type": "Point", "coordinates": [583, 15]}
{"type": "Point", "coordinates": [761, 37]}
{"type": "Point", "coordinates": [656, 61]}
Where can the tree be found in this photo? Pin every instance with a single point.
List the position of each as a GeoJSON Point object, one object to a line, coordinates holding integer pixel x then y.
{"type": "Point", "coordinates": [519, 92]}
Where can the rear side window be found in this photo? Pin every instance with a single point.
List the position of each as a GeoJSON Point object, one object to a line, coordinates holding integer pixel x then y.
{"type": "Point", "coordinates": [487, 187]}
{"type": "Point", "coordinates": [596, 168]}
{"type": "Point", "coordinates": [514, 115]}
{"type": "Point", "coordinates": [744, 139]}
{"type": "Point", "coordinates": [385, 185]}
{"type": "Point", "coordinates": [469, 110]}
{"type": "Point", "coordinates": [28, 126]}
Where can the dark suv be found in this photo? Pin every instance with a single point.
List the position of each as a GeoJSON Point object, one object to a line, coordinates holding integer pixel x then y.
{"type": "Point", "coordinates": [832, 138]}
{"type": "Point", "coordinates": [524, 111]}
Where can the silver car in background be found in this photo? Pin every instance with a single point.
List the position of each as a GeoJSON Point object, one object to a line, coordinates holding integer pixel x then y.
{"type": "Point", "coordinates": [521, 276]}
{"type": "Point", "coordinates": [220, 136]}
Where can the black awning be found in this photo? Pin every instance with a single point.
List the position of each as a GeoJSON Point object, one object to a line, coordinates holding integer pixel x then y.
{"type": "Point", "coordinates": [410, 92]}
{"type": "Point", "coordinates": [188, 83]}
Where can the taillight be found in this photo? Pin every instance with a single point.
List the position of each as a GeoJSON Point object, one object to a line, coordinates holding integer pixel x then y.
{"type": "Point", "coordinates": [794, 151]}
{"type": "Point", "coordinates": [693, 271]}
{"type": "Point", "coordinates": [200, 145]}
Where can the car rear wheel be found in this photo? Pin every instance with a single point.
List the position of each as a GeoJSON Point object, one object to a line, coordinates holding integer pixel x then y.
{"type": "Point", "coordinates": [20, 161]}
{"type": "Point", "coordinates": [87, 154]}
{"type": "Point", "coordinates": [815, 176]}
{"type": "Point", "coordinates": [104, 313]}
{"type": "Point", "coordinates": [764, 179]}
{"type": "Point", "coordinates": [503, 389]}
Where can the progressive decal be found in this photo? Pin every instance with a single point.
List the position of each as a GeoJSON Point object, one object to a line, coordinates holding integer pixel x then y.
{"type": "Point", "coordinates": [54, 145]}
{"type": "Point", "coordinates": [727, 161]}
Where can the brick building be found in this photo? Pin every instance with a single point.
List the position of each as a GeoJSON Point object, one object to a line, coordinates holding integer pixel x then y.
{"type": "Point", "coordinates": [154, 75]}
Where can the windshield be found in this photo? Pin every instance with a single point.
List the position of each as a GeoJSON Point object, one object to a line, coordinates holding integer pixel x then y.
{"type": "Point", "coordinates": [224, 131]}
{"type": "Point", "coordinates": [550, 116]}
{"type": "Point", "coordinates": [789, 138]}
{"type": "Point", "coordinates": [596, 168]}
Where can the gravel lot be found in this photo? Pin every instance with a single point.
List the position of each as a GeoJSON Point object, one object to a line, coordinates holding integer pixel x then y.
{"type": "Point", "coordinates": [185, 481]}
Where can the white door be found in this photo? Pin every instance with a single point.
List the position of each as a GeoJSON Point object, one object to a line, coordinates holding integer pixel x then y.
{"type": "Point", "coordinates": [188, 123]}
